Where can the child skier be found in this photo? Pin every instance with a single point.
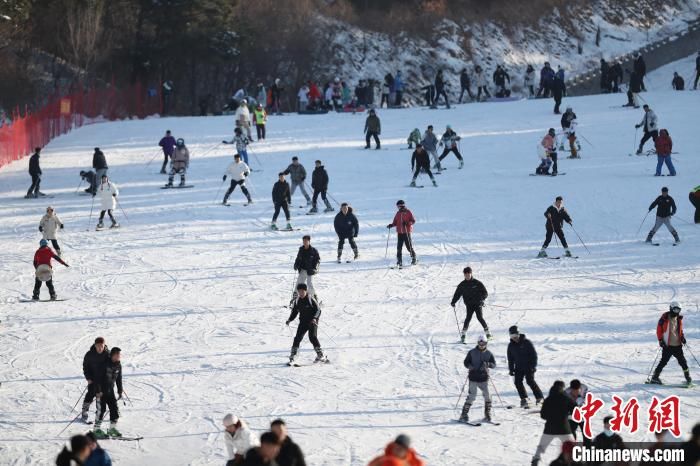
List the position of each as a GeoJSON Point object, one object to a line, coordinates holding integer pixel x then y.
{"type": "Point", "coordinates": [449, 140]}
{"type": "Point", "coordinates": [107, 193]}
{"type": "Point", "coordinates": [106, 395]}
{"type": "Point", "coordinates": [281, 198]}
{"type": "Point", "coordinates": [478, 361]}
{"type": "Point", "coordinates": [568, 126]}
{"type": "Point", "coordinates": [241, 143]}
{"type": "Point", "coordinates": [421, 161]}
{"type": "Point", "coordinates": [43, 271]}
{"type": "Point", "coordinates": [549, 143]}
{"type": "Point", "coordinates": [413, 138]}
{"type": "Point", "coordinates": [48, 226]}
{"type": "Point", "coordinates": [179, 163]}
{"type": "Point", "coordinates": [238, 171]}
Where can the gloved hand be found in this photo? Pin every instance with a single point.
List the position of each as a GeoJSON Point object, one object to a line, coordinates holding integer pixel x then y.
{"type": "Point", "coordinates": [390, 225]}
{"type": "Point", "coordinates": [224, 178]}
{"type": "Point", "coordinates": [453, 304]}
{"type": "Point", "coordinates": [683, 340]}
{"type": "Point", "coordinates": [287, 323]}
{"type": "Point", "coordinates": [41, 229]}
{"type": "Point", "coordinates": [533, 370]}
{"type": "Point", "coordinates": [662, 344]}
{"type": "Point", "coordinates": [637, 126]}
{"type": "Point", "coordinates": [246, 174]}
{"type": "Point", "coordinates": [114, 195]}
{"type": "Point", "coordinates": [61, 226]}
{"type": "Point", "coordinates": [511, 373]}
{"type": "Point", "coordinates": [314, 322]}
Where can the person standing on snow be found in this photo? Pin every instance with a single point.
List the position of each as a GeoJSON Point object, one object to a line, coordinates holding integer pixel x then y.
{"type": "Point", "coordinates": [309, 312]}
{"type": "Point", "coordinates": [430, 143]}
{"type": "Point", "coordinates": [307, 264]}
{"type": "Point", "coordinates": [499, 79]}
{"type": "Point", "coordinates": [48, 226]}
{"type": "Point", "coordinates": [398, 88]}
{"type": "Point", "coordinates": [413, 138]}
{"type": "Point", "coordinates": [558, 88]}
{"type": "Point", "coordinates": [238, 439]}
{"type": "Point", "coordinates": [243, 120]}
{"type": "Point", "coordinates": [664, 147]}
{"type": "Point", "coordinates": [281, 198]}
{"type": "Point", "coordinates": [99, 163]}
{"type": "Point", "coordinates": [449, 140]}
{"type": "Point", "coordinates": [241, 143]}
{"type": "Point", "coordinates": [473, 293]}
{"type": "Point", "coordinates": [568, 125]}
{"type": "Point", "coordinates": [478, 361]}
{"type": "Point", "coordinates": [346, 227]}
{"type": "Point", "coordinates": [640, 67]}
{"type": "Point", "coordinates": [420, 161]}
{"type": "Point", "coordinates": [677, 84]}
{"type": "Point", "coordinates": [529, 81]}
{"type": "Point", "coordinates": [35, 173]}
{"type": "Point", "coordinates": [555, 411]}
{"type": "Point", "coordinates": [549, 144]}
{"type": "Point", "coordinates": [303, 98]}
{"type": "Point", "coordinates": [556, 215]}
{"type": "Point", "coordinates": [403, 221]}
{"type": "Point", "coordinates": [373, 128]}
{"type": "Point", "coordinates": [107, 397]}
{"type": "Point", "coordinates": [94, 366]}
{"type": "Point", "coordinates": [546, 78]}
{"type": "Point", "coordinates": [440, 90]}
{"type": "Point", "coordinates": [290, 454]}
{"type": "Point", "coordinates": [298, 175]}
{"type": "Point", "coordinates": [167, 143]}
{"type": "Point", "coordinates": [43, 272]}
{"type": "Point", "coordinates": [179, 163]}
{"type": "Point", "coordinates": [465, 85]}
{"type": "Point", "coordinates": [665, 209]}
{"type": "Point", "coordinates": [669, 332]}
{"type": "Point", "coordinates": [694, 198]}
{"type": "Point", "coordinates": [650, 125]}
{"type": "Point", "coordinates": [238, 171]}
{"type": "Point", "coordinates": [481, 83]}
{"type": "Point", "coordinates": [522, 364]}
{"type": "Point", "coordinates": [107, 193]}
{"type": "Point", "coordinates": [276, 93]}
{"type": "Point", "coordinates": [577, 392]}
{"type": "Point", "coordinates": [260, 121]}
{"type": "Point", "coordinates": [319, 183]}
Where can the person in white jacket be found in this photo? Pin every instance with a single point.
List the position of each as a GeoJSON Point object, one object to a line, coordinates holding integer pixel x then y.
{"type": "Point", "coordinates": [238, 171]}
{"type": "Point", "coordinates": [243, 119]}
{"type": "Point", "coordinates": [481, 82]}
{"type": "Point", "coordinates": [107, 192]}
{"type": "Point", "coordinates": [238, 438]}
{"type": "Point", "coordinates": [48, 226]}
{"type": "Point", "coordinates": [303, 97]}
{"type": "Point", "coordinates": [650, 125]}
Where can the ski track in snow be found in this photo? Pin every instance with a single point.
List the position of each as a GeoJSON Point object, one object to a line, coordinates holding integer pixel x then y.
{"type": "Point", "coordinates": [195, 293]}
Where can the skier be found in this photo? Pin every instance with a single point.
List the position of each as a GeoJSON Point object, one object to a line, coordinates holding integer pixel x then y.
{"type": "Point", "coordinates": [697, 72]}
{"type": "Point", "coordinates": [665, 209]}
{"type": "Point", "coordinates": [238, 439]}
{"type": "Point", "coordinates": [243, 120]}
{"type": "Point", "coordinates": [669, 332]}
{"type": "Point", "coordinates": [549, 143]}
{"type": "Point", "coordinates": [522, 364]}
{"type": "Point", "coordinates": [398, 453]}
{"type": "Point", "coordinates": [430, 143]}
{"type": "Point", "coordinates": [43, 272]}
{"type": "Point", "coordinates": [260, 120]}
{"type": "Point", "coordinates": [677, 83]}
{"type": "Point", "coordinates": [577, 392]}
{"type": "Point", "coordinates": [634, 88]}
{"type": "Point", "coordinates": [290, 454]}
{"type": "Point", "coordinates": [413, 138]}
{"type": "Point", "coordinates": [265, 454]}
{"type": "Point", "coordinates": [241, 143]}
{"type": "Point", "coordinates": [474, 293]}
{"type": "Point", "coordinates": [556, 215]}
{"type": "Point", "coordinates": [298, 173]}
{"type": "Point", "coordinates": [276, 92]}
{"type": "Point", "coordinates": [558, 87]}
{"type": "Point", "coordinates": [105, 392]}
{"type": "Point", "coordinates": [107, 193]}
{"type": "Point", "coordinates": [48, 225]}
{"type": "Point", "coordinates": [529, 80]}
{"type": "Point", "coordinates": [664, 147]}
{"type": "Point", "coordinates": [605, 77]}
{"type": "Point", "coordinates": [640, 67]}
{"type": "Point", "coordinates": [99, 163]}
{"type": "Point", "coordinates": [481, 83]}
{"type": "Point", "coordinates": [303, 98]}
{"type": "Point", "coordinates": [346, 227]}
{"type": "Point", "coordinates": [281, 198]}
{"type": "Point", "coordinates": [35, 173]}
{"type": "Point", "coordinates": [694, 197]}
{"type": "Point", "coordinates": [94, 366]}
{"type": "Point", "coordinates": [373, 128]}
{"type": "Point", "coordinates": [309, 312]}
{"type": "Point", "coordinates": [398, 88]}
{"type": "Point", "coordinates": [319, 183]}
{"type": "Point", "coordinates": [403, 221]}
{"type": "Point", "coordinates": [465, 85]}
{"type": "Point", "coordinates": [306, 264]}
{"type": "Point", "coordinates": [545, 161]}
{"type": "Point", "coordinates": [555, 411]}
{"type": "Point", "coordinates": [650, 125]}
{"type": "Point", "coordinates": [546, 78]}
{"type": "Point", "coordinates": [420, 160]}
{"type": "Point", "coordinates": [499, 79]}
{"type": "Point", "coordinates": [568, 125]}
{"type": "Point", "coordinates": [440, 90]}
{"type": "Point", "coordinates": [238, 171]}
{"type": "Point", "coordinates": [167, 143]}
{"type": "Point", "coordinates": [449, 140]}
{"type": "Point", "coordinates": [478, 361]}
{"type": "Point", "coordinates": [179, 163]}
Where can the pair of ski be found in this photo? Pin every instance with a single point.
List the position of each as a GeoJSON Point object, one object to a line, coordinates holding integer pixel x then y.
{"type": "Point", "coordinates": [113, 227]}
{"type": "Point", "coordinates": [559, 257]}
{"type": "Point", "coordinates": [177, 186]}
{"type": "Point", "coordinates": [479, 423]}
{"type": "Point", "coordinates": [658, 244]}
{"type": "Point", "coordinates": [547, 174]}
{"type": "Point", "coordinates": [296, 364]}
{"type": "Point", "coordinates": [24, 300]}
{"type": "Point", "coordinates": [245, 204]}
{"type": "Point", "coordinates": [671, 385]}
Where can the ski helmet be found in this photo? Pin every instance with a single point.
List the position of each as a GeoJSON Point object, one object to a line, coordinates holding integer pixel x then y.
{"type": "Point", "coordinates": [482, 342]}
{"type": "Point", "coordinates": [244, 102]}
{"type": "Point", "coordinates": [674, 307]}
{"type": "Point", "coordinates": [43, 243]}
{"type": "Point", "coordinates": [180, 142]}
{"type": "Point", "coordinates": [400, 203]}
{"type": "Point", "coordinates": [551, 132]}
{"type": "Point", "coordinates": [238, 131]}
{"type": "Point", "coordinates": [569, 109]}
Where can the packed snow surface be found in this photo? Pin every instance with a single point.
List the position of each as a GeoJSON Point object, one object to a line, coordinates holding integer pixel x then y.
{"type": "Point", "coordinates": [194, 292]}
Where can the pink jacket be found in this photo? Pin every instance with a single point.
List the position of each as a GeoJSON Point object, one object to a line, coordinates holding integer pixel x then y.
{"type": "Point", "coordinates": [548, 143]}
{"type": "Point", "coordinates": [403, 221]}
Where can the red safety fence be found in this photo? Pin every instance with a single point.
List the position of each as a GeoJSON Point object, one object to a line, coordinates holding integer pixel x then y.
{"type": "Point", "coordinates": [20, 134]}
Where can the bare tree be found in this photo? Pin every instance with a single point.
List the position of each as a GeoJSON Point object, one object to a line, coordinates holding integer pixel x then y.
{"type": "Point", "coordinates": [84, 29]}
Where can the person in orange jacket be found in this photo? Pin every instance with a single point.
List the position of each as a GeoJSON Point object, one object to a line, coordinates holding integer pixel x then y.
{"type": "Point", "coordinates": [398, 453]}
{"type": "Point", "coordinates": [43, 270]}
{"type": "Point", "coordinates": [669, 331]}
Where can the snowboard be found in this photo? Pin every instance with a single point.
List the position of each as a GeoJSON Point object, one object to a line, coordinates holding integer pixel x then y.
{"type": "Point", "coordinates": [177, 187]}
{"type": "Point", "coordinates": [558, 174]}
{"type": "Point", "coordinates": [416, 186]}
{"type": "Point", "coordinates": [297, 364]}
{"type": "Point", "coordinates": [672, 385]}
{"type": "Point", "coordinates": [24, 300]}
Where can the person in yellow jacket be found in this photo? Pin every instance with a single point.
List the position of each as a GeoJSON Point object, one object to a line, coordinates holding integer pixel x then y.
{"type": "Point", "coordinates": [694, 197]}
{"type": "Point", "coordinates": [260, 119]}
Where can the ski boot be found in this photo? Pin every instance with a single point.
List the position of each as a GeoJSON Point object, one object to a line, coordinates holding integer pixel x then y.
{"type": "Point", "coordinates": [99, 434]}
{"type": "Point", "coordinates": [464, 418]}
{"type": "Point", "coordinates": [274, 227]}
{"type": "Point", "coordinates": [113, 432]}
{"type": "Point", "coordinates": [320, 357]}
{"type": "Point", "coordinates": [100, 224]}
{"type": "Point", "coordinates": [488, 334]}
{"type": "Point", "coordinates": [463, 336]}
{"type": "Point", "coordinates": [542, 253]}
{"type": "Point", "coordinates": [114, 224]}
{"type": "Point", "coordinates": [40, 194]}
{"type": "Point", "coordinates": [313, 210]}
{"type": "Point", "coordinates": [338, 260]}
{"type": "Point", "coordinates": [163, 172]}
{"type": "Point", "coordinates": [524, 403]}
{"type": "Point", "coordinates": [35, 297]}
{"type": "Point", "coordinates": [539, 401]}
{"type": "Point", "coordinates": [461, 164]}
{"type": "Point", "coordinates": [169, 185]}
{"type": "Point", "coordinates": [649, 237]}
{"type": "Point", "coordinates": [487, 412]}
{"type": "Point", "coordinates": [676, 238]}
{"type": "Point", "coordinates": [639, 151]}
{"type": "Point", "coordinates": [434, 183]}
{"type": "Point", "coordinates": [30, 196]}
{"type": "Point", "coordinates": [655, 380]}
{"type": "Point", "coordinates": [356, 255]}
{"type": "Point", "coordinates": [413, 184]}
{"type": "Point", "coordinates": [182, 183]}
{"type": "Point", "coordinates": [414, 260]}
{"type": "Point", "coordinates": [688, 380]}
{"type": "Point", "coordinates": [399, 264]}
{"type": "Point", "coordinates": [328, 209]}
{"type": "Point", "coordinates": [250, 200]}
{"type": "Point", "coordinates": [366, 147]}
{"type": "Point", "coordinates": [53, 297]}
{"type": "Point", "coordinates": [567, 253]}
{"type": "Point", "coordinates": [84, 412]}
{"type": "Point", "coordinates": [289, 226]}
{"type": "Point", "coordinates": [293, 357]}
{"type": "Point", "coordinates": [378, 147]}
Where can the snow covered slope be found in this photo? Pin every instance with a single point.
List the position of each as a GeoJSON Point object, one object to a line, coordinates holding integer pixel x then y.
{"type": "Point", "coordinates": [661, 79]}
{"type": "Point", "coordinates": [194, 292]}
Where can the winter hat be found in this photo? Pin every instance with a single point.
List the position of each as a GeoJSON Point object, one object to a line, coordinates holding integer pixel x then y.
{"type": "Point", "coordinates": [551, 131]}
{"type": "Point", "coordinates": [43, 243]}
{"type": "Point", "coordinates": [400, 202]}
{"type": "Point", "coordinates": [403, 440]}
{"type": "Point", "coordinates": [37, 149]}
{"type": "Point", "coordinates": [301, 286]}
{"type": "Point", "coordinates": [280, 174]}
{"type": "Point", "coordinates": [664, 189]}
{"type": "Point", "coordinates": [482, 340]}
{"type": "Point", "coordinates": [513, 330]}
{"type": "Point", "coordinates": [230, 420]}
{"type": "Point", "coordinates": [467, 270]}
{"type": "Point", "coordinates": [115, 350]}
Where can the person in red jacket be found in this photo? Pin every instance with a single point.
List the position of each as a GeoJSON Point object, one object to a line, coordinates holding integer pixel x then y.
{"type": "Point", "coordinates": [669, 331]}
{"type": "Point", "coordinates": [403, 221]}
{"type": "Point", "coordinates": [314, 95]}
{"type": "Point", "coordinates": [664, 147]}
{"type": "Point", "coordinates": [398, 453]}
{"type": "Point", "coordinates": [43, 270]}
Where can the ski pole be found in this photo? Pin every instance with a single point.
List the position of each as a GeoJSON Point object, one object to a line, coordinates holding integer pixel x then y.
{"type": "Point", "coordinates": [653, 363]}
{"type": "Point", "coordinates": [589, 142]}
{"type": "Point", "coordinates": [634, 147]}
{"type": "Point", "coordinates": [79, 185]}
{"type": "Point", "coordinates": [642, 224]}
{"type": "Point", "coordinates": [120, 208]}
{"type": "Point", "coordinates": [498, 395]}
{"type": "Point", "coordinates": [79, 398]}
{"type": "Point", "coordinates": [579, 238]}
{"type": "Point", "coordinates": [210, 149]}
{"type": "Point", "coordinates": [153, 158]}
{"type": "Point", "coordinates": [90, 217]}
{"type": "Point", "coordinates": [326, 334]}
{"type": "Point", "coordinates": [691, 353]}
{"type": "Point", "coordinates": [127, 398]}
{"type": "Point", "coordinates": [459, 331]}
{"type": "Point", "coordinates": [461, 392]}
{"type": "Point", "coordinates": [386, 250]}
{"type": "Point", "coordinates": [219, 190]}
{"type": "Point", "coordinates": [256, 158]}
{"type": "Point", "coordinates": [554, 233]}
{"type": "Point", "coordinates": [71, 412]}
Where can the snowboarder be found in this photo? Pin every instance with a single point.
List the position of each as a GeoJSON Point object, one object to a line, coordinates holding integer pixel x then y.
{"type": "Point", "coordinates": [290, 454]}
{"type": "Point", "coordinates": [373, 128]}
{"type": "Point", "coordinates": [106, 395]}
{"type": "Point", "coordinates": [555, 411]}
{"type": "Point", "coordinates": [465, 85]}
{"type": "Point", "coordinates": [545, 161]}
{"type": "Point", "coordinates": [665, 209]}
{"type": "Point", "coordinates": [481, 83]}
{"type": "Point", "coordinates": [478, 361]}
{"type": "Point", "coordinates": [265, 454]}
{"type": "Point", "coordinates": [529, 81]}
{"type": "Point", "coordinates": [577, 392]}
{"type": "Point", "coordinates": [677, 83]}
{"type": "Point", "coordinates": [309, 312]}
{"type": "Point", "coordinates": [298, 173]}
{"type": "Point", "coordinates": [413, 138]}
{"type": "Point", "coordinates": [449, 140]}
{"type": "Point", "coordinates": [398, 453]}
{"type": "Point", "coordinates": [568, 125]}
{"type": "Point", "coordinates": [549, 143]}
{"type": "Point", "coordinates": [238, 439]}
{"type": "Point", "coordinates": [499, 79]}
{"type": "Point", "coordinates": [669, 332]}
{"type": "Point", "coordinates": [35, 173]}
{"type": "Point", "coordinates": [346, 227]}
{"type": "Point", "coordinates": [99, 163]}
{"type": "Point", "coordinates": [48, 225]}
{"type": "Point", "coordinates": [238, 171]}
{"type": "Point", "coordinates": [556, 215]}
{"type": "Point", "coordinates": [243, 120]}
{"type": "Point", "coordinates": [440, 90]}
{"type": "Point", "coordinates": [179, 163]}
{"type": "Point", "coordinates": [694, 197]}
{"type": "Point", "coordinates": [319, 183]}
{"type": "Point", "coordinates": [167, 143]}
{"type": "Point", "coordinates": [420, 160]}
{"type": "Point", "coordinates": [664, 148]}
{"type": "Point", "coordinates": [403, 221]}
{"type": "Point", "coordinates": [260, 121]}
{"type": "Point", "coordinates": [107, 192]}
{"type": "Point", "coordinates": [241, 143]}
{"type": "Point", "coordinates": [43, 272]}
{"type": "Point", "coordinates": [650, 125]}
{"type": "Point", "coordinates": [430, 143]}
{"type": "Point", "coordinates": [94, 366]}
{"type": "Point", "coordinates": [474, 293]}
{"type": "Point", "coordinates": [522, 364]}
{"type": "Point", "coordinates": [306, 264]}
{"type": "Point", "coordinates": [281, 198]}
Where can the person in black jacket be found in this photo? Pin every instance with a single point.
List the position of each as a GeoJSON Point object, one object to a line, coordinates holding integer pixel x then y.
{"type": "Point", "coordinates": [35, 173]}
{"type": "Point", "coordinates": [616, 75]}
{"type": "Point", "coordinates": [346, 227]}
{"type": "Point", "coordinates": [281, 198]}
{"type": "Point", "coordinates": [420, 160]}
{"type": "Point", "coordinates": [474, 293]}
{"type": "Point", "coordinates": [107, 397]}
{"type": "Point", "coordinates": [522, 364]}
{"type": "Point", "coordinates": [635, 87]}
{"type": "Point", "coordinates": [499, 79]}
{"type": "Point", "coordinates": [94, 366]}
{"type": "Point", "coordinates": [307, 263]}
{"type": "Point", "coordinates": [78, 454]}
{"type": "Point", "coordinates": [556, 216]}
{"type": "Point", "coordinates": [99, 163]}
{"type": "Point", "coordinates": [665, 209]}
{"type": "Point", "coordinates": [290, 454]}
{"type": "Point", "coordinates": [677, 83]}
{"type": "Point", "coordinates": [265, 454]}
{"type": "Point", "coordinates": [608, 440]}
{"type": "Point", "coordinates": [697, 72]}
{"type": "Point", "coordinates": [465, 84]}
{"type": "Point", "coordinates": [309, 312]}
{"type": "Point", "coordinates": [555, 411]}
{"type": "Point", "coordinates": [605, 77]}
{"type": "Point", "coordinates": [319, 183]}
{"type": "Point", "coordinates": [440, 89]}
{"type": "Point", "coordinates": [478, 361]}
{"type": "Point", "coordinates": [558, 87]}
{"type": "Point", "coordinates": [640, 67]}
